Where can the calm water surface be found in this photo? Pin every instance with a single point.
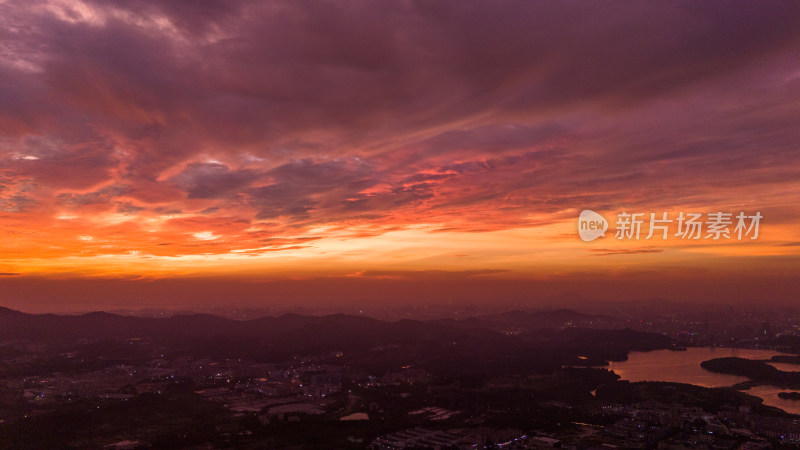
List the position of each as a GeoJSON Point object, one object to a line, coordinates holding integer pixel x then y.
{"type": "Point", "coordinates": [684, 367]}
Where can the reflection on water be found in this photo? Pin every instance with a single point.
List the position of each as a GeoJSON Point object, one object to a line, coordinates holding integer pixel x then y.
{"type": "Point", "coordinates": [684, 367]}
{"type": "Point", "coordinates": [786, 366]}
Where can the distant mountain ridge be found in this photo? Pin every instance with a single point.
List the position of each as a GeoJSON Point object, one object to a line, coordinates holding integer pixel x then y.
{"type": "Point", "coordinates": [100, 324]}
{"type": "Point", "coordinates": [545, 338]}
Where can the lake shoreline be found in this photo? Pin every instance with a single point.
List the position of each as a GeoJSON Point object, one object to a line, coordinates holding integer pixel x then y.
{"type": "Point", "coordinates": [685, 367]}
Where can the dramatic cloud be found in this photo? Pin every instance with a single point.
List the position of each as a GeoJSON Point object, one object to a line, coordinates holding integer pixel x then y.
{"type": "Point", "coordinates": [212, 180]}
{"type": "Point", "coordinates": [199, 129]}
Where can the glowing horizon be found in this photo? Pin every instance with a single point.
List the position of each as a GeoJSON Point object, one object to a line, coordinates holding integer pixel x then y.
{"type": "Point", "coordinates": [241, 141]}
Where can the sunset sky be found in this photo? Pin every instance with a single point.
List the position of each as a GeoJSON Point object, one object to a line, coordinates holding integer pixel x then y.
{"type": "Point", "coordinates": [159, 153]}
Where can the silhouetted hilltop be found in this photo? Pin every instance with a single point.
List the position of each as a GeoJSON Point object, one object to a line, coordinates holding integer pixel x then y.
{"type": "Point", "coordinates": [481, 344]}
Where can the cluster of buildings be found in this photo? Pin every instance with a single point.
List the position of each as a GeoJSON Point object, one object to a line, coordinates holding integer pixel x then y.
{"type": "Point", "coordinates": [464, 438]}
{"type": "Point", "coordinates": [642, 425]}
{"type": "Point", "coordinates": [298, 389]}
{"type": "Point", "coordinates": [659, 425]}
{"type": "Point", "coordinates": [275, 392]}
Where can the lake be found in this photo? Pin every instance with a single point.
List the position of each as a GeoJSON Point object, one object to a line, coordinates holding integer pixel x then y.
{"type": "Point", "coordinates": [684, 367]}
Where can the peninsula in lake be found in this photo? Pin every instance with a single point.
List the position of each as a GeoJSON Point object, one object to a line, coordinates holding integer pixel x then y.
{"type": "Point", "coordinates": [755, 370]}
